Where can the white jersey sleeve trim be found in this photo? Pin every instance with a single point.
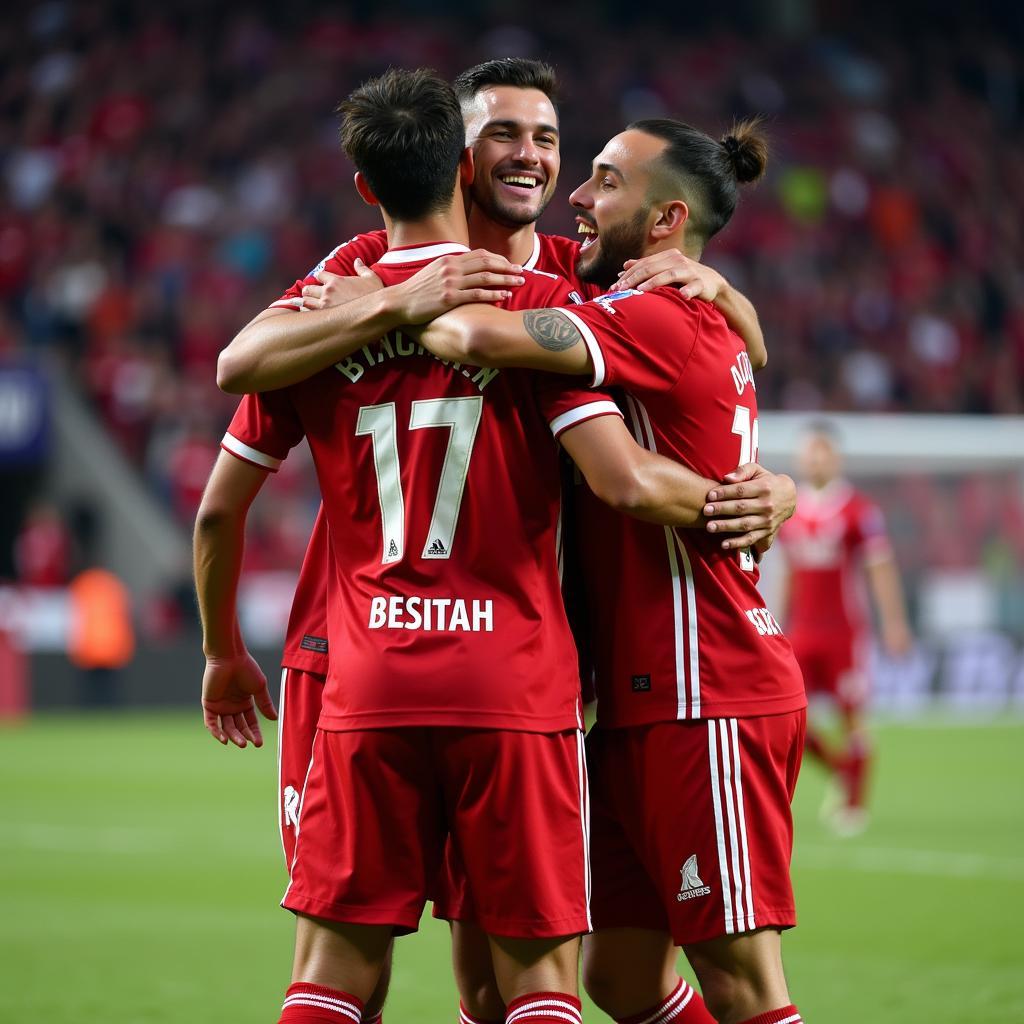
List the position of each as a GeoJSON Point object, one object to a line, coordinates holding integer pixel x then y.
{"type": "Point", "coordinates": [581, 413]}
{"type": "Point", "coordinates": [243, 451]}
{"type": "Point", "coordinates": [293, 303]}
{"type": "Point", "coordinates": [593, 347]}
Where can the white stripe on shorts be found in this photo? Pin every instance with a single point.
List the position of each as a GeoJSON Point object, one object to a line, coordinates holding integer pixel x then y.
{"type": "Point", "coordinates": [581, 761]}
{"type": "Point", "coordinates": [716, 797]}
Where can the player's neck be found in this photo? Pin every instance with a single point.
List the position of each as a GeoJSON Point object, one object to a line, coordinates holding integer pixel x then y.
{"type": "Point", "coordinates": [677, 241]}
{"type": "Point", "coordinates": [447, 226]}
{"type": "Point", "coordinates": [515, 244]}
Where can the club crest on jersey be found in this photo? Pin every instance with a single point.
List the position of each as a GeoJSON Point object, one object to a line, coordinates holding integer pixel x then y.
{"type": "Point", "coordinates": [607, 301]}
{"type": "Point", "coordinates": [691, 886]}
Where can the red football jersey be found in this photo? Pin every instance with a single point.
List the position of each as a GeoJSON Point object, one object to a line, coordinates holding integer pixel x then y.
{"type": "Point", "coordinates": [679, 629]}
{"type": "Point", "coordinates": [444, 595]}
{"type": "Point", "coordinates": [306, 643]}
{"type": "Point", "coordinates": [834, 532]}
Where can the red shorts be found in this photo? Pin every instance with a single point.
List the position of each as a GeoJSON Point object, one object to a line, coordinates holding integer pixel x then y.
{"type": "Point", "coordinates": [833, 664]}
{"type": "Point", "coordinates": [298, 711]}
{"type": "Point", "coordinates": [378, 806]}
{"type": "Point", "coordinates": [691, 829]}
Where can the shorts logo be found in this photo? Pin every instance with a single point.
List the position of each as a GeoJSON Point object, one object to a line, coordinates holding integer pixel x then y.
{"type": "Point", "coordinates": [437, 548]}
{"type": "Point", "coordinates": [290, 801]}
{"type": "Point", "coordinates": [641, 684]}
{"type": "Point", "coordinates": [691, 886]}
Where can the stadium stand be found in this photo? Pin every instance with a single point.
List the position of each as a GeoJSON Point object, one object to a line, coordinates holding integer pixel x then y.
{"type": "Point", "coordinates": [166, 174]}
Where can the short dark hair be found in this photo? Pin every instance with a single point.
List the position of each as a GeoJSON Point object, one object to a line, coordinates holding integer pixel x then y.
{"type": "Point", "coordinates": [405, 134]}
{"type": "Point", "coordinates": [708, 171]}
{"type": "Point", "coordinates": [518, 72]}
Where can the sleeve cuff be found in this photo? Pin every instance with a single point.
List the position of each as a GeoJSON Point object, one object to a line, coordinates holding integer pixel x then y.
{"type": "Point", "coordinates": [589, 339]}
{"type": "Point", "coordinates": [241, 450]}
{"type": "Point", "coordinates": [582, 413]}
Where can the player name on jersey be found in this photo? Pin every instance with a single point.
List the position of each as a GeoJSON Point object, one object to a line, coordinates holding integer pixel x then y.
{"type": "Point", "coordinates": [397, 345]}
{"type": "Point", "coordinates": [440, 614]}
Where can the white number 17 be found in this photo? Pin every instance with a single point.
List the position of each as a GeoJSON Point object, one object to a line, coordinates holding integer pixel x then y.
{"type": "Point", "coordinates": [380, 422]}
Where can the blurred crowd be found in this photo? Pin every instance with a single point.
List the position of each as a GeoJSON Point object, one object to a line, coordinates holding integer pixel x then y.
{"type": "Point", "coordinates": [167, 172]}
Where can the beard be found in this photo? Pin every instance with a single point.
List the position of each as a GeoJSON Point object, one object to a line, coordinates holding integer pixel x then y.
{"type": "Point", "coordinates": [601, 264]}
{"type": "Point", "coordinates": [506, 215]}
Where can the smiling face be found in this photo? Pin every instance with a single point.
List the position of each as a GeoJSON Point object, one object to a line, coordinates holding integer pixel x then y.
{"type": "Point", "coordinates": [614, 213]}
{"type": "Point", "coordinates": [513, 133]}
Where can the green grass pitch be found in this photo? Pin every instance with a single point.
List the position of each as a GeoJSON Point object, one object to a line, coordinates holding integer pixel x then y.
{"type": "Point", "coordinates": [141, 869]}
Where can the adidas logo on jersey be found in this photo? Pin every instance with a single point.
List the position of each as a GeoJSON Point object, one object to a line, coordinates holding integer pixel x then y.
{"type": "Point", "coordinates": [393, 550]}
{"type": "Point", "coordinates": [437, 548]}
{"type": "Point", "coordinates": [691, 886]}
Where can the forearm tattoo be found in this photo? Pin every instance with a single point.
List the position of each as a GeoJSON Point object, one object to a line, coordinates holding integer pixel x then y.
{"type": "Point", "coordinates": [551, 330]}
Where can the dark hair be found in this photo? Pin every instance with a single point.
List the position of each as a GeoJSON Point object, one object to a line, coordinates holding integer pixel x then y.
{"type": "Point", "coordinates": [405, 134]}
{"type": "Point", "coordinates": [707, 172]}
{"type": "Point", "coordinates": [515, 71]}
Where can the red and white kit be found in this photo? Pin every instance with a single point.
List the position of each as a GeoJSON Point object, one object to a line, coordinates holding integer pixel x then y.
{"type": "Point", "coordinates": [690, 666]}
{"type": "Point", "coordinates": [444, 595]}
{"type": "Point", "coordinates": [833, 535]}
{"type": "Point", "coordinates": [305, 660]}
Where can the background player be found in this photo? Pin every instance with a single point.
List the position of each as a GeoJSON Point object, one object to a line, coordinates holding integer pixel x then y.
{"type": "Point", "coordinates": [836, 534]}
{"type": "Point", "coordinates": [701, 707]}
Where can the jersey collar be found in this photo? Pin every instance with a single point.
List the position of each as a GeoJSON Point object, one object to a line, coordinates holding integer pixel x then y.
{"type": "Point", "coordinates": [531, 263]}
{"type": "Point", "coordinates": [420, 253]}
{"type": "Point", "coordinates": [827, 500]}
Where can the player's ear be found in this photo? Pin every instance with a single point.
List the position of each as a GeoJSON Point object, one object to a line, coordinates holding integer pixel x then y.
{"type": "Point", "coordinates": [467, 171]}
{"type": "Point", "coordinates": [364, 190]}
{"type": "Point", "coordinates": [671, 217]}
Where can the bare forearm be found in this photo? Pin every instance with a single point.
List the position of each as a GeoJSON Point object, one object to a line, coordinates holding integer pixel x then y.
{"type": "Point", "coordinates": [633, 481]}
{"type": "Point", "coordinates": [477, 334]}
{"type": "Point", "coordinates": [218, 544]}
{"type": "Point", "coordinates": [741, 316]}
{"type": "Point", "coordinates": [887, 592]}
{"type": "Point", "coordinates": [670, 494]}
{"type": "Point", "coordinates": [274, 351]}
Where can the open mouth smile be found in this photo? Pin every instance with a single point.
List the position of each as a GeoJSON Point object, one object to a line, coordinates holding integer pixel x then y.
{"type": "Point", "coordinates": [520, 181]}
{"type": "Point", "coordinates": [587, 232]}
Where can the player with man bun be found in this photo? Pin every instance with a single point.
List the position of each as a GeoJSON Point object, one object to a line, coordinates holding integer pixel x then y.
{"type": "Point", "coordinates": [701, 706]}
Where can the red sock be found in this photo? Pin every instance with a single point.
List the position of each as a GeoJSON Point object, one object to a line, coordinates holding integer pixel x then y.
{"type": "Point", "coordinates": [855, 769]}
{"type": "Point", "coordinates": [817, 747]}
{"type": "Point", "coordinates": [317, 1004]}
{"type": "Point", "coordinates": [545, 1008]}
{"type": "Point", "coordinates": [784, 1015]}
{"type": "Point", "coordinates": [465, 1017]}
{"type": "Point", "coordinates": [683, 1006]}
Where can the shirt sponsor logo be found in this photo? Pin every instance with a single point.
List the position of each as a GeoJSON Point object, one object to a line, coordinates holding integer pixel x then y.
{"type": "Point", "coordinates": [432, 614]}
{"type": "Point", "coordinates": [763, 621]}
{"type": "Point", "coordinates": [691, 886]}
